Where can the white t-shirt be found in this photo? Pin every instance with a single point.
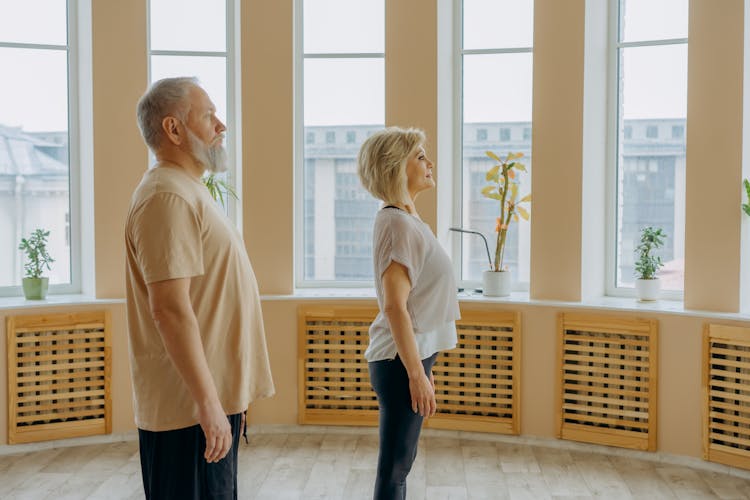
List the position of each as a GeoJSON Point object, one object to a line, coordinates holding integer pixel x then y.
{"type": "Point", "coordinates": [432, 303]}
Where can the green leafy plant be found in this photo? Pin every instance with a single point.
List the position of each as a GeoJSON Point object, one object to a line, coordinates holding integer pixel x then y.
{"type": "Point", "coordinates": [503, 187]}
{"type": "Point", "coordinates": [37, 257]}
{"type": "Point", "coordinates": [647, 264]}
{"type": "Point", "coordinates": [217, 187]}
{"type": "Point", "coordinates": [746, 206]}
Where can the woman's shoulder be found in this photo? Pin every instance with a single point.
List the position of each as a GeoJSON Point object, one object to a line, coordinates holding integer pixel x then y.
{"type": "Point", "coordinates": [394, 218]}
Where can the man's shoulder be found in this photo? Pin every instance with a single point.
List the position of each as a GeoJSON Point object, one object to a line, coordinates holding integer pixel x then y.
{"type": "Point", "coordinates": [165, 183]}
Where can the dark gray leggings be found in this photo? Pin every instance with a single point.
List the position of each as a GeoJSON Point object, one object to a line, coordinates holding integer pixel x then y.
{"type": "Point", "coordinates": [399, 426]}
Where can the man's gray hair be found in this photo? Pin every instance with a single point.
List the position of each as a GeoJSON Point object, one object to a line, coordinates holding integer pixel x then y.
{"type": "Point", "coordinates": [165, 97]}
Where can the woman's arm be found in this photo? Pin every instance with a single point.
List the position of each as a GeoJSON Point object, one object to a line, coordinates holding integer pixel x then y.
{"type": "Point", "coordinates": [396, 287]}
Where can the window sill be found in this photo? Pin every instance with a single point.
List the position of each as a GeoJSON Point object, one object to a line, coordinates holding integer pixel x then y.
{"type": "Point", "coordinates": [55, 300]}
{"type": "Point", "coordinates": [605, 303]}
{"type": "Point", "coordinates": [325, 294]}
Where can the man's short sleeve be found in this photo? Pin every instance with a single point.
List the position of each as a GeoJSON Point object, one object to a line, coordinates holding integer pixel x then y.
{"type": "Point", "coordinates": [166, 235]}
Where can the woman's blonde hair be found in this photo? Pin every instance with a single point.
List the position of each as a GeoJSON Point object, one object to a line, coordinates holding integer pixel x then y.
{"type": "Point", "coordinates": [382, 159]}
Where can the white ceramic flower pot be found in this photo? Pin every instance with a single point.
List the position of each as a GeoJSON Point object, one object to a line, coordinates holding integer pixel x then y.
{"type": "Point", "coordinates": [496, 283]}
{"type": "Point", "coordinates": [647, 290]}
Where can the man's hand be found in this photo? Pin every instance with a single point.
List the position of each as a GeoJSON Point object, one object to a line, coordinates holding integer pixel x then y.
{"type": "Point", "coordinates": [217, 430]}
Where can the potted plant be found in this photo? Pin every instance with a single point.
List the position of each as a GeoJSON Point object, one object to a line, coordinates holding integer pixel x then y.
{"type": "Point", "coordinates": [34, 284]}
{"type": "Point", "coordinates": [646, 265]}
{"type": "Point", "coordinates": [503, 187]}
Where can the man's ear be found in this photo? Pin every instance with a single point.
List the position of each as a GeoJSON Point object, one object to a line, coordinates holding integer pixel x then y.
{"type": "Point", "coordinates": [172, 130]}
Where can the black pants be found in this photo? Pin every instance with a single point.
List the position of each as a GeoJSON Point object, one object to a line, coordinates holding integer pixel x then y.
{"type": "Point", "coordinates": [173, 466]}
{"type": "Point", "coordinates": [399, 426]}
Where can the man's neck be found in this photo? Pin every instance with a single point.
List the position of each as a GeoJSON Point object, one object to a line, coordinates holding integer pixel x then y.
{"type": "Point", "coordinates": [178, 159]}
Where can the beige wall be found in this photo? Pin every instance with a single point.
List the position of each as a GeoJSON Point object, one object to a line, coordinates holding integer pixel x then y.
{"type": "Point", "coordinates": [267, 141]}
{"type": "Point", "coordinates": [120, 76]}
{"type": "Point", "coordinates": [714, 155]}
{"type": "Point", "coordinates": [557, 150]}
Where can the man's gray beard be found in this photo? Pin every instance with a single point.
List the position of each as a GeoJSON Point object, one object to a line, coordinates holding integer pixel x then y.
{"type": "Point", "coordinates": [212, 158]}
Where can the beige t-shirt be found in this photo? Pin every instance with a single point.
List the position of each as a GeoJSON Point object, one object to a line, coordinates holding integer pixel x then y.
{"type": "Point", "coordinates": [174, 230]}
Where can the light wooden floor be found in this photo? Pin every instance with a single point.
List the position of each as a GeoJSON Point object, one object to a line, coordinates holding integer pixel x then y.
{"type": "Point", "coordinates": [336, 465]}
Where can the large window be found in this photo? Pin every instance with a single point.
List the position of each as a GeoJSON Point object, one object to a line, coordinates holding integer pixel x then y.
{"type": "Point", "coordinates": [651, 105]}
{"type": "Point", "coordinates": [342, 92]}
{"type": "Point", "coordinates": [38, 161]}
{"type": "Point", "coordinates": [496, 60]}
{"type": "Point", "coordinates": [196, 38]}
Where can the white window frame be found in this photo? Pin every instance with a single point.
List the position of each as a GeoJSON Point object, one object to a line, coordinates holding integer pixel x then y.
{"type": "Point", "coordinates": [74, 151]}
{"type": "Point", "coordinates": [458, 151]}
{"type": "Point", "coordinates": [234, 156]}
{"type": "Point", "coordinates": [299, 151]}
{"type": "Point", "coordinates": [614, 46]}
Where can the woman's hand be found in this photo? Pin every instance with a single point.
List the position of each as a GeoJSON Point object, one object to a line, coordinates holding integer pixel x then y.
{"type": "Point", "coordinates": [422, 395]}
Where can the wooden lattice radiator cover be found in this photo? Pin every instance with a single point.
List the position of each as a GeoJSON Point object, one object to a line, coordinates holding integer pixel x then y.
{"type": "Point", "coordinates": [334, 383]}
{"type": "Point", "coordinates": [608, 380]}
{"type": "Point", "coordinates": [477, 384]}
{"type": "Point", "coordinates": [59, 372]}
{"type": "Point", "coordinates": [726, 395]}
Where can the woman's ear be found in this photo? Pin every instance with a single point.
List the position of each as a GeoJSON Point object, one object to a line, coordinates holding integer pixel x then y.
{"type": "Point", "coordinates": [172, 130]}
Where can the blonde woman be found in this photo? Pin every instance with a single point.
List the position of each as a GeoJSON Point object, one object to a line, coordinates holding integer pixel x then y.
{"type": "Point", "coordinates": [416, 294]}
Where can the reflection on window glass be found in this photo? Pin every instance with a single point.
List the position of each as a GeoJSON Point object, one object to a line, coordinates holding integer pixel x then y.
{"type": "Point", "coordinates": [344, 102]}
{"type": "Point", "coordinates": [38, 22]}
{"type": "Point", "coordinates": [498, 24]}
{"type": "Point", "coordinates": [644, 20]}
{"type": "Point", "coordinates": [34, 158]}
{"type": "Point", "coordinates": [343, 26]}
{"type": "Point", "coordinates": [188, 25]}
{"type": "Point", "coordinates": [652, 110]}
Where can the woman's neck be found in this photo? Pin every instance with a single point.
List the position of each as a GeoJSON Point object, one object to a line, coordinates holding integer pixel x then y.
{"type": "Point", "coordinates": [409, 208]}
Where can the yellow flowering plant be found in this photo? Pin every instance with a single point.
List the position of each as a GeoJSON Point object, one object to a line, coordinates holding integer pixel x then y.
{"type": "Point", "coordinates": [504, 185]}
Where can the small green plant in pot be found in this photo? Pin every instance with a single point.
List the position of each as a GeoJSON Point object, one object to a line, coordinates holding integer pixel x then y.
{"type": "Point", "coordinates": [647, 264]}
{"type": "Point", "coordinates": [504, 185]}
{"type": "Point", "coordinates": [37, 258]}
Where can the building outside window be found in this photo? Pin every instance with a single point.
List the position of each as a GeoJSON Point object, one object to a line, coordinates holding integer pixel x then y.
{"type": "Point", "coordinates": [505, 134]}
{"type": "Point", "coordinates": [496, 69]}
{"type": "Point", "coordinates": [39, 165]}
{"type": "Point", "coordinates": [342, 90]}
{"type": "Point", "coordinates": [651, 96]}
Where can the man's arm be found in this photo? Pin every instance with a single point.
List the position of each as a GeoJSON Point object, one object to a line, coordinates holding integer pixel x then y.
{"type": "Point", "coordinates": [175, 319]}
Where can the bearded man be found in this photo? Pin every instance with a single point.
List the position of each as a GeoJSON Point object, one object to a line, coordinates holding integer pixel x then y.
{"type": "Point", "coordinates": [197, 346]}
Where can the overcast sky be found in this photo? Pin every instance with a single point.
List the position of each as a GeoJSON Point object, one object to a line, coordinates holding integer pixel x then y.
{"type": "Point", "coordinates": [343, 91]}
